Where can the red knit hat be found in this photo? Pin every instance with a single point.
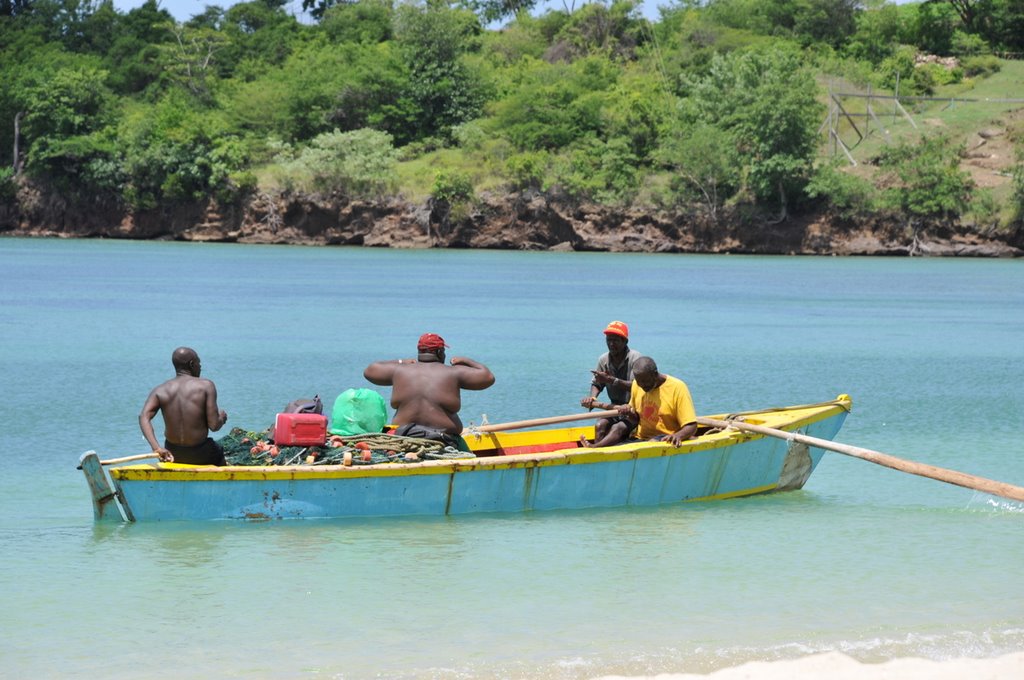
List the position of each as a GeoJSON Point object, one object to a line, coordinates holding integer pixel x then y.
{"type": "Point", "coordinates": [430, 341]}
{"type": "Point", "coordinates": [617, 328]}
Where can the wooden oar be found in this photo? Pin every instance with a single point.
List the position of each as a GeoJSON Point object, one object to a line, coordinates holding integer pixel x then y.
{"type": "Point", "coordinates": [963, 479]}
{"type": "Point", "coordinates": [519, 424]}
{"type": "Point", "coordinates": [128, 459]}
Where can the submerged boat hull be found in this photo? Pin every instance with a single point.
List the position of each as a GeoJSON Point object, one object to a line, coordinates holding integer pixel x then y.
{"type": "Point", "coordinates": [515, 472]}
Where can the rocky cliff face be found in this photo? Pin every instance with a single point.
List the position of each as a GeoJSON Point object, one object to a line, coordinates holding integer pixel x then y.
{"type": "Point", "coordinates": [524, 222]}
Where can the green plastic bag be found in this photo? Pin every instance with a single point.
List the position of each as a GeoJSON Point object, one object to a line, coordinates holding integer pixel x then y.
{"type": "Point", "coordinates": [358, 411]}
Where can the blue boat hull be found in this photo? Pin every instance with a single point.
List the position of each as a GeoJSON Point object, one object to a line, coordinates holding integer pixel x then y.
{"type": "Point", "coordinates": [716, 465]}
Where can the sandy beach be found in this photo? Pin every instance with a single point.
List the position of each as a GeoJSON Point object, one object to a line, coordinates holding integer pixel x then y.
{"type": "Point", "coordinates": [838, 666]}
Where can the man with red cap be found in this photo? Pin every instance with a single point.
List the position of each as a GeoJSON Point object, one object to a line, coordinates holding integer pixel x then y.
{"type": "Point", "coordinates": [614, 372]}
{"type": "Point", "coordinates": [425, 392]}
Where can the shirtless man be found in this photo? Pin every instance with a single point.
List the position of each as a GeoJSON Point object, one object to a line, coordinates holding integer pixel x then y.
{"type": "Point", "coordinates": [189, 407]}
{"type": "Point", "coordinates": [426, 393]}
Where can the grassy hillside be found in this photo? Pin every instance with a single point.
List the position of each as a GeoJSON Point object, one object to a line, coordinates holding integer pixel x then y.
{"type": "Point", "coordinates": [984, 114]}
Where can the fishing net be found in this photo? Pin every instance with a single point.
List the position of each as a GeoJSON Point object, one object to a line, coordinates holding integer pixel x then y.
{"type": "Point", "coordinates": [244, 447]}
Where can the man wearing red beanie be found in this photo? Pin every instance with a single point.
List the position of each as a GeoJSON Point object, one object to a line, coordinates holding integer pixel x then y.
{"type": "Point", "coordinates": [426, 392]}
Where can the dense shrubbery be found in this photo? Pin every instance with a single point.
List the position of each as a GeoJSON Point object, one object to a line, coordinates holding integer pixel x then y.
{"type": "Point", "coordinates": [718, 100]}
{"type": "Point", "coordinates": [360, 163]}
{"type": "Point", "coordinates": [8, 189]}
{"type": "Point", "coordinates": [1018, 189]}
{"type": "Point", "coordinates": [980, 66]}
{"type": "Point", "coordinates": [930, 182]}
{"type": "Point", "coordinates": [849, 195]}
{"type": "Point", "coordinates": [452, 187]}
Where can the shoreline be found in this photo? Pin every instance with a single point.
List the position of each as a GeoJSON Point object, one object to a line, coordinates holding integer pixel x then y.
{"type": "Point", "coordinates": [989, 250]}
{"type": "Point", "coordinates": [498, 222]}
{"type": "Point", "coordinates": [839, 666]}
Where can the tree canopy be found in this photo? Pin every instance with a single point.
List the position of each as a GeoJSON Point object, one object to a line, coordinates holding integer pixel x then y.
{"type": "Point", "coordinates": [717, 102]}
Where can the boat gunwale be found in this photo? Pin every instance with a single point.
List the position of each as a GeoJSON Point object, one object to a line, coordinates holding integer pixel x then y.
{"type": "Point", "coordinates": [570, 456]}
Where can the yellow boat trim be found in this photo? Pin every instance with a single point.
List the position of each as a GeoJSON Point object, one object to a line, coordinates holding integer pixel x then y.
{"type": "Point", "coordinates": [785, 419]}
{"type": "Point", "coordinates": [734, 494]}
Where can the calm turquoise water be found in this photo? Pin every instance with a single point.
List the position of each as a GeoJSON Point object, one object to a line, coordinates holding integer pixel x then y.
{"type": "Point", "coordinates": [865, 560]}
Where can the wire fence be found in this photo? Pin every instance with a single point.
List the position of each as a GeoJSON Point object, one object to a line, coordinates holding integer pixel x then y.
{"type": "Point", "coordinates": [859, 122]}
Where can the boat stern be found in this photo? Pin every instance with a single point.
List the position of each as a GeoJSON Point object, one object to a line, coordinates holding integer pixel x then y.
{"type": "Point", "coordinates": [106, 504]}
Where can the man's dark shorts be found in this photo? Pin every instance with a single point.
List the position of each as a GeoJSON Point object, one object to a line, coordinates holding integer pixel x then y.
{"type": "Point", "coordinates": [625, 420]}
{"type": "Point", "coordinates": [207, 453]}
{"type": "Point", "coordinates": [433, 434]}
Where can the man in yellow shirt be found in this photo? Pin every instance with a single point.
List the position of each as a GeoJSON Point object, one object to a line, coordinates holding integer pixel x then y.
{"type": "Point", "coordinates": [660, 404]}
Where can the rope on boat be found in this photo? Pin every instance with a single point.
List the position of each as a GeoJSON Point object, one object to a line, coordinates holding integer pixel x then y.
{"type": "Point", "coordinates": [247, 448]}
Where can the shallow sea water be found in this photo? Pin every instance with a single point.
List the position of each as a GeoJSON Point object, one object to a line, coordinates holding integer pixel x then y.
{"type": "Point", "coordinates": [865, 560]}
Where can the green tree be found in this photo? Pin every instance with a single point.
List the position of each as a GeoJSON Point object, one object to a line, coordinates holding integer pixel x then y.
{"type": "Point", "coordinates": [705, 165]}
{"type": "Point", "coordinates": [689, 38]}
{"type": "Point", "coordinates": [808, 21]}
{"type": "Point", "coordinates": [190, 60]}
{"type": "Point", "coordinates": [523, 37]}
{"type": "Point", "coordinates": [969, 11]}
{"type": "Point", "coordinates": [256, 33]}
{"type": "Point", "coordinates": [441, 87]}
{"type": "Point", "coordinates": [211, 17]}
{"type": "Point", "coordinates": [878, 32]}
{"type": "Point", "coordinates": [10, 8]}
{"type": "Point", "coordinates": [537, 114]}
{"type": "Point", "coordinates": [615, 30]}
{"type": "Point", "coordinates": [24, 55]}
{"type": "Point", "coordinates": [555, 105]}
{"type": "Point", "coordinates": [63, 21]}
{"type": "Point", "coordinates": [323, 86]}
{"type": "Point", "coordinates": [637, 108]}
{"type": "Point", "coordinates": [1007, 25]}
{"type": "Point", "coordinates": [175, 151]}
{"type": "Point", "coordinates": [134, 58]}
{"type": "Point", "coordinates": [766, 99]}
{"type": "Point", "coordinates": [933, 27]}
{"type": "Point", "coordinates": [825, 21]}
{"type": "Point", "coordinates": [490, 11]}
{"type": "Point", "coordinates": [318, 8]}
{"type": "Point", "coordinates": [66, 111]}
{"type": "Point", "coordinates": [365, 22]}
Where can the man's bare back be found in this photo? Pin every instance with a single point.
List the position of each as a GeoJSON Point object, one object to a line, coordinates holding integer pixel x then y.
{"type": "Point", "coordinates": [188, 404]}
{"type": "Point", "coordinates": [425, 390]}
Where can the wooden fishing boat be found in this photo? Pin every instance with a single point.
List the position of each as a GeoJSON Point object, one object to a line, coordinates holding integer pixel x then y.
{"type": "Point", "coordinates": [540, 469]}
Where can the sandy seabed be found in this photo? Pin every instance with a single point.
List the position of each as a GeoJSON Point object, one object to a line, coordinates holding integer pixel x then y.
{"type": "Point", "coordinates": [838, 666]}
